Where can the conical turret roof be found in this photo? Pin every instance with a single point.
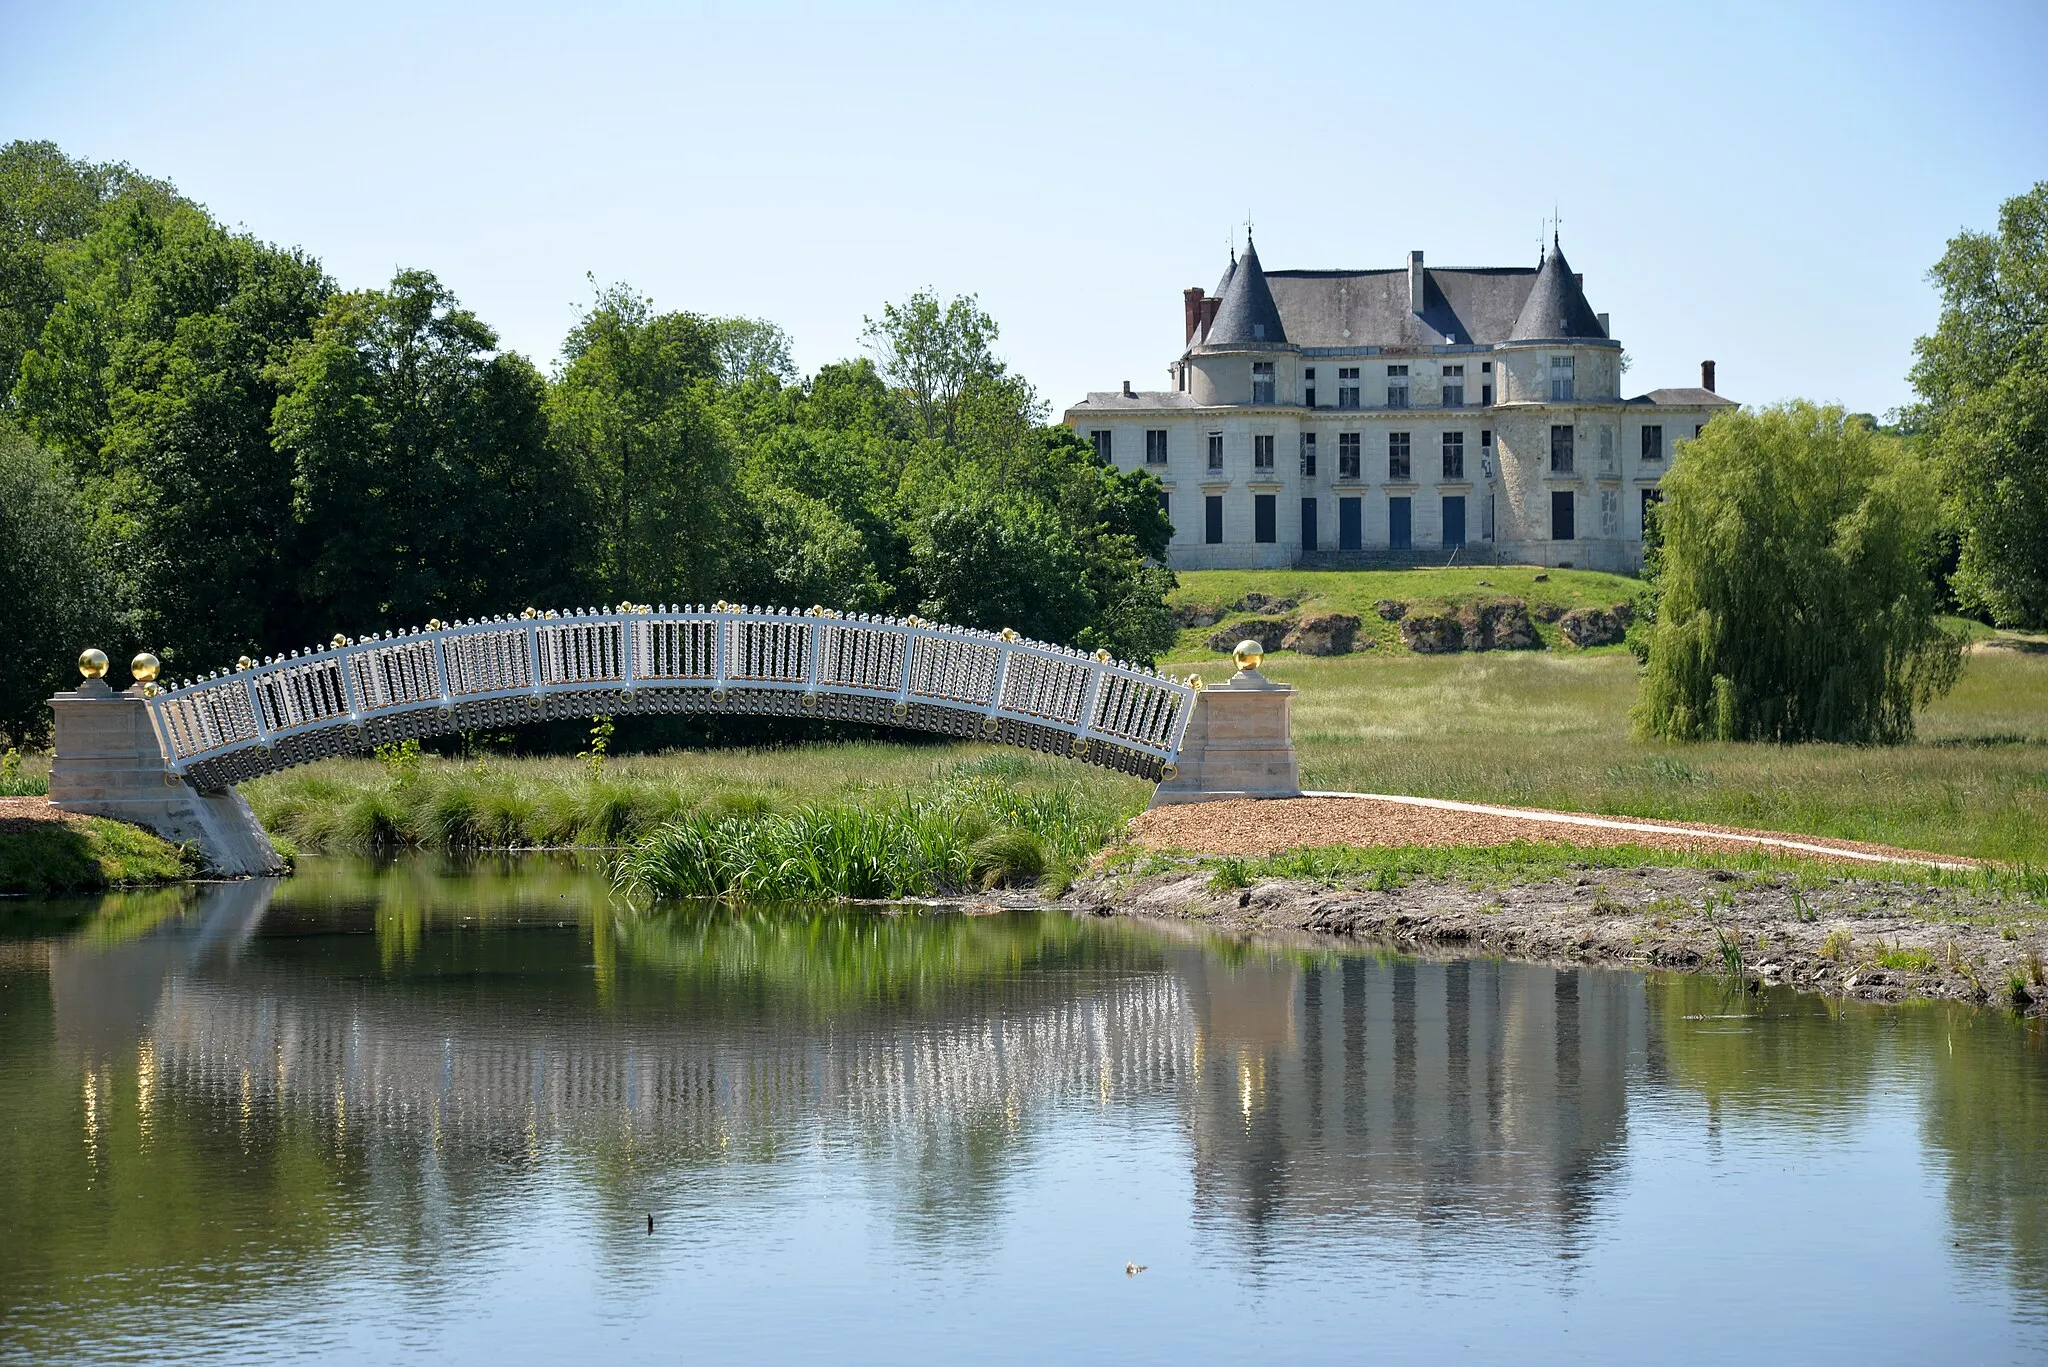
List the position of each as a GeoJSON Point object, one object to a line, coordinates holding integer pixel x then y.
{"type": "Point", "coordinates": [1247, 316]}
{"type": "Point", "coordinates": [1556, 306]}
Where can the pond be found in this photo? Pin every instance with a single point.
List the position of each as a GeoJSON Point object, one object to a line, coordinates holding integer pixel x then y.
{"type": "Point", "coordinates": [423, 1112]}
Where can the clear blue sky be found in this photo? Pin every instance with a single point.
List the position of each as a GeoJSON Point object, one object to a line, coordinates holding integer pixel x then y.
{"type": "Point", "coordinates": [1762, 184]}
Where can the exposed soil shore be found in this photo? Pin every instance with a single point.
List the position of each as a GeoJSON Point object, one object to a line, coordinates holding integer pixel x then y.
{"type": "Point", "coordinates": [1866, 938]}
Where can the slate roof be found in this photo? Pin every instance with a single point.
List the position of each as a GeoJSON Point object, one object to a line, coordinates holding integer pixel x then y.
{"type": "Point", "coordinates": [1141, 401]}
{"type": "Point", "coordinates": [1247, 316]}
{"type": "Point", "coordinates": [1351, 309]}
{"type": "Point", "coordinates": [1685, 398]}
{"type": "Point", "coordinates": [1556, 307]}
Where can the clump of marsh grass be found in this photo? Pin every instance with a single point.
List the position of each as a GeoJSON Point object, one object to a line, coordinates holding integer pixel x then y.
{"type": "Point", "coordinates": [965, 831]}
{"type": "Point", "coordinates": [1891, 955]}
{"type": "Point", "coordinates": [1837, 946]}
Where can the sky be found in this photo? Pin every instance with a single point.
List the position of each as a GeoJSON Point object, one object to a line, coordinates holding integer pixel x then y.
{"type": "Point", "coordinates": [1765, 185]}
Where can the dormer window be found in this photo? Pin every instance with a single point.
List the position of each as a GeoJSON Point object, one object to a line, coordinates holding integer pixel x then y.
{"type": "Point", "coordinates": [1262, 382]}
{"type": "Point", "coordinates": [1258, 332]}
{"type": "Point", "coordinates": [1397, 386]}
{"type": "Point", "coordinates": [1454, 386]}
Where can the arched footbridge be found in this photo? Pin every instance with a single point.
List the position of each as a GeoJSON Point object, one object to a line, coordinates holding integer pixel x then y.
{"type": "Point", "coordinates": [720, 660]}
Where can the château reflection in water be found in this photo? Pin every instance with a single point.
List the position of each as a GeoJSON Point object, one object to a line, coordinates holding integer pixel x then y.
{"type": "Point", "coordinates": [404, 1038]}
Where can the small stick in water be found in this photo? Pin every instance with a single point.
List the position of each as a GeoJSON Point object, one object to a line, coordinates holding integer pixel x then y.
{"type": "Point", "coordinates": [650, 1222]}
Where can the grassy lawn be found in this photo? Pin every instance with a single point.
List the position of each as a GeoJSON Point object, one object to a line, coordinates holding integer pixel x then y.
{"type": "Point", "coordinates": [1550, 729]}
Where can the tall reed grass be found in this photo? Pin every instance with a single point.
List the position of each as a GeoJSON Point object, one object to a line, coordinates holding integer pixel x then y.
{"type": "Point", "coordinates": [968, 830]}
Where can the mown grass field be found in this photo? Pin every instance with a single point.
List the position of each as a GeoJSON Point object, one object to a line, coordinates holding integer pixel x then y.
{"type": "Point", "coordinates": [1543, 728]}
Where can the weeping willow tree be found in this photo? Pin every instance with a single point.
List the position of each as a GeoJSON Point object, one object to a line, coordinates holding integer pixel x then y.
{"type": "Point", "coordinates": [1795, 602]}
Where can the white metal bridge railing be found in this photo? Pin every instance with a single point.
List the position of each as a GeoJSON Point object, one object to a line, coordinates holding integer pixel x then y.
{"type": "Point", "coordinates": [503, 671]}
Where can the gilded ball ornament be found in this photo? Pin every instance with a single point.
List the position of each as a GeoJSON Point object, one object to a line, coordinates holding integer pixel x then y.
{"type": "Point", "coordinates": [1249, 654]}
{"type": "Point", "coordinates": [245, 663]}
{"type": "Point", "coordinates": [144, 668]}
{"type": "Point", "coordinates": [92, 663]}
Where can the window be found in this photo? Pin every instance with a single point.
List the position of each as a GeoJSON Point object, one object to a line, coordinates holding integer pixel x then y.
{"type": "Point", "coordinates": [1561, 449]}
{"type": "Point", "coordinates": [1101, 440]}
{"type": "Point", "coordinates": [1308, 524]}
{"type": "Point", "coordinates": [1348, 464]}
{"type": "Point", "coordinates": [1212, 519]}
{"type": "Point", "coordinates": [1308, 387]}
{"type": "Point", "coordinates": [1262, 452]}
{"type": "Point", "coordinates": [1653, 443]}
{"type": "Point", "coordinates": [1265, 518]}
{"type": "Point", "coordinates": [1397, 455]}
{"type": "Point", "coordinates": [1486, 452]}
{"type": "Point", "coordinates": [1454, 386]}
{"type": "Point", "coordinates": [1397, 386]}
{"type": "Point", "coordinates": [1215, 450]}
{"type": "Point", "coordinates": [1698, 428]}
{"type": "Point", "coordinates": [1308, 455]}
{"type": "Point", "coordinates": [1651, 498]}
{"type": "Point", "coordinates": [1563, 513]}
{"type": "Point", "coordinates": [1400, 524]}
{"type": "Point", "coordinates": [1560, 379]}
{"type": "Point", "coordinates": [1347, 386]}
{"type": "Point", "coordinates": [1454, 455]}
{"type": "Point", "coordinates": [1155, 447]}
{"type": "Point", "coordinates": [1262, 382]}
{"type": "Point", "coordinates": [1486, 367]}
{"type": "Point", "coordinates": [1166, 505]}
{"type": "Point", "coordinates": [1486, 394]}
{"type": "Point", "coordinates": [1454, 519]}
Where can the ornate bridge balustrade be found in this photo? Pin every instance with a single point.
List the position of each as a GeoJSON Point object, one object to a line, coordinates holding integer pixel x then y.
{"type": "Point", "coordinates": [722, 659]}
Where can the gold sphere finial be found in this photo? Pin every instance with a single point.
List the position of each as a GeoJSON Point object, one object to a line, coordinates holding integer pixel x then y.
{"type": "Point", "coordinates": [339, 641]}
{"type": "Point", "coordinates": [92, 662]}
{"type": "Point", "coordinates": [1249, 654]}
{"type": "Point", "coordinates": [144, 667]}
{"type": "Point", "coordinates": [245, 663]}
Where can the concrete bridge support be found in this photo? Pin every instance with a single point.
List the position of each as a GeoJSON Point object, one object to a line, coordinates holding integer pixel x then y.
{"type": "Point", "coordinates": [109, 763]}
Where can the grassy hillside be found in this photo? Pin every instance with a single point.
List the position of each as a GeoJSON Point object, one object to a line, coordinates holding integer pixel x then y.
{"type": "Point", "coordinates": [1355, 591]}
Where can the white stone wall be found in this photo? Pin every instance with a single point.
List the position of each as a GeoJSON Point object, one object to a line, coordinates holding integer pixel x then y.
{"type": "Point", "coordinates": [1607, 480]}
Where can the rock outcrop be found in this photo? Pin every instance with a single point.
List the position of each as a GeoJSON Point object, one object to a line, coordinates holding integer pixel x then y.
{"type": "Point", "coordinates": [1326, 633]}
{"type": "Point", "coordinates": [1269, 632]}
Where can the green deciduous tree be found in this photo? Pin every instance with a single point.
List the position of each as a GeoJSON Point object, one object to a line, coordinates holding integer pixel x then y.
{"type": "Point", "coordinates": [49, 203]}
{"type": "Point", "coordinates": [633, 406]}
{"type": "Point", "coordinates": [51, 583]}
{"type": "Point", "coordinates": [1794, 596]}
{"type": "Point", "coordinates": [934, 355]}
{"type": "Point", "coordinates": [425, 483]}
{"type": "Point", "coordinates": [155, 379]}
{"type": "Point", "coordinates": [1983, 384]}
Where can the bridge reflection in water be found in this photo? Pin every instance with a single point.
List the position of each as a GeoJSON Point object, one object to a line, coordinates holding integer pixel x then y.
{"type": "Point", "coordinates": [1302, 1083]}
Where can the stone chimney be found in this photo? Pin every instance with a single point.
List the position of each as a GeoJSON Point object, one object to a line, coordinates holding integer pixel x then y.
{"type": "Point", "coordinates": [1707, 376]}
{"type": "Point", "coordinates": [1191, 309]}
{"type": "Point", "coordinates": [1605, 330]}
{"type": "Point", "coordinates": [1127, 389]}
{"type": "Point", "coordinates": [1416, 282]}
{"type": "Point", "coordinates": [1209, 307]}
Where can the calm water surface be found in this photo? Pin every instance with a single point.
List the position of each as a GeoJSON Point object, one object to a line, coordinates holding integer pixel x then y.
{"type": "Point", "coordinates": [421, 1113]}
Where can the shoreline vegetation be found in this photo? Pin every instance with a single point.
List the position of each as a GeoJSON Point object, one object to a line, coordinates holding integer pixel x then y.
{"type": "Point", "coordinates": [44, 853]}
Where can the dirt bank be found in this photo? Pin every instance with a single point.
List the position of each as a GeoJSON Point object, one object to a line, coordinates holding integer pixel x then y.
{"type": "Point", "coordinates": [1867, 938]}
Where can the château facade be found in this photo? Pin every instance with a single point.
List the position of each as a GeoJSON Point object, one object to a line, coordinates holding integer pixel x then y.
{"type": "Point", "coordinates": [1399, 417]}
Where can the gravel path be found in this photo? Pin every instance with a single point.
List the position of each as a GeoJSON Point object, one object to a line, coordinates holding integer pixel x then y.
{"type": "Point", "coordinates": [23, 809]}
{"type": "Point", "coordinates": [1255, 826]}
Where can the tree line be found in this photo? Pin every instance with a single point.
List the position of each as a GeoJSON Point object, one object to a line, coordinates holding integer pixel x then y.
{"type": "Point", "coordinates": [208, 447]}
